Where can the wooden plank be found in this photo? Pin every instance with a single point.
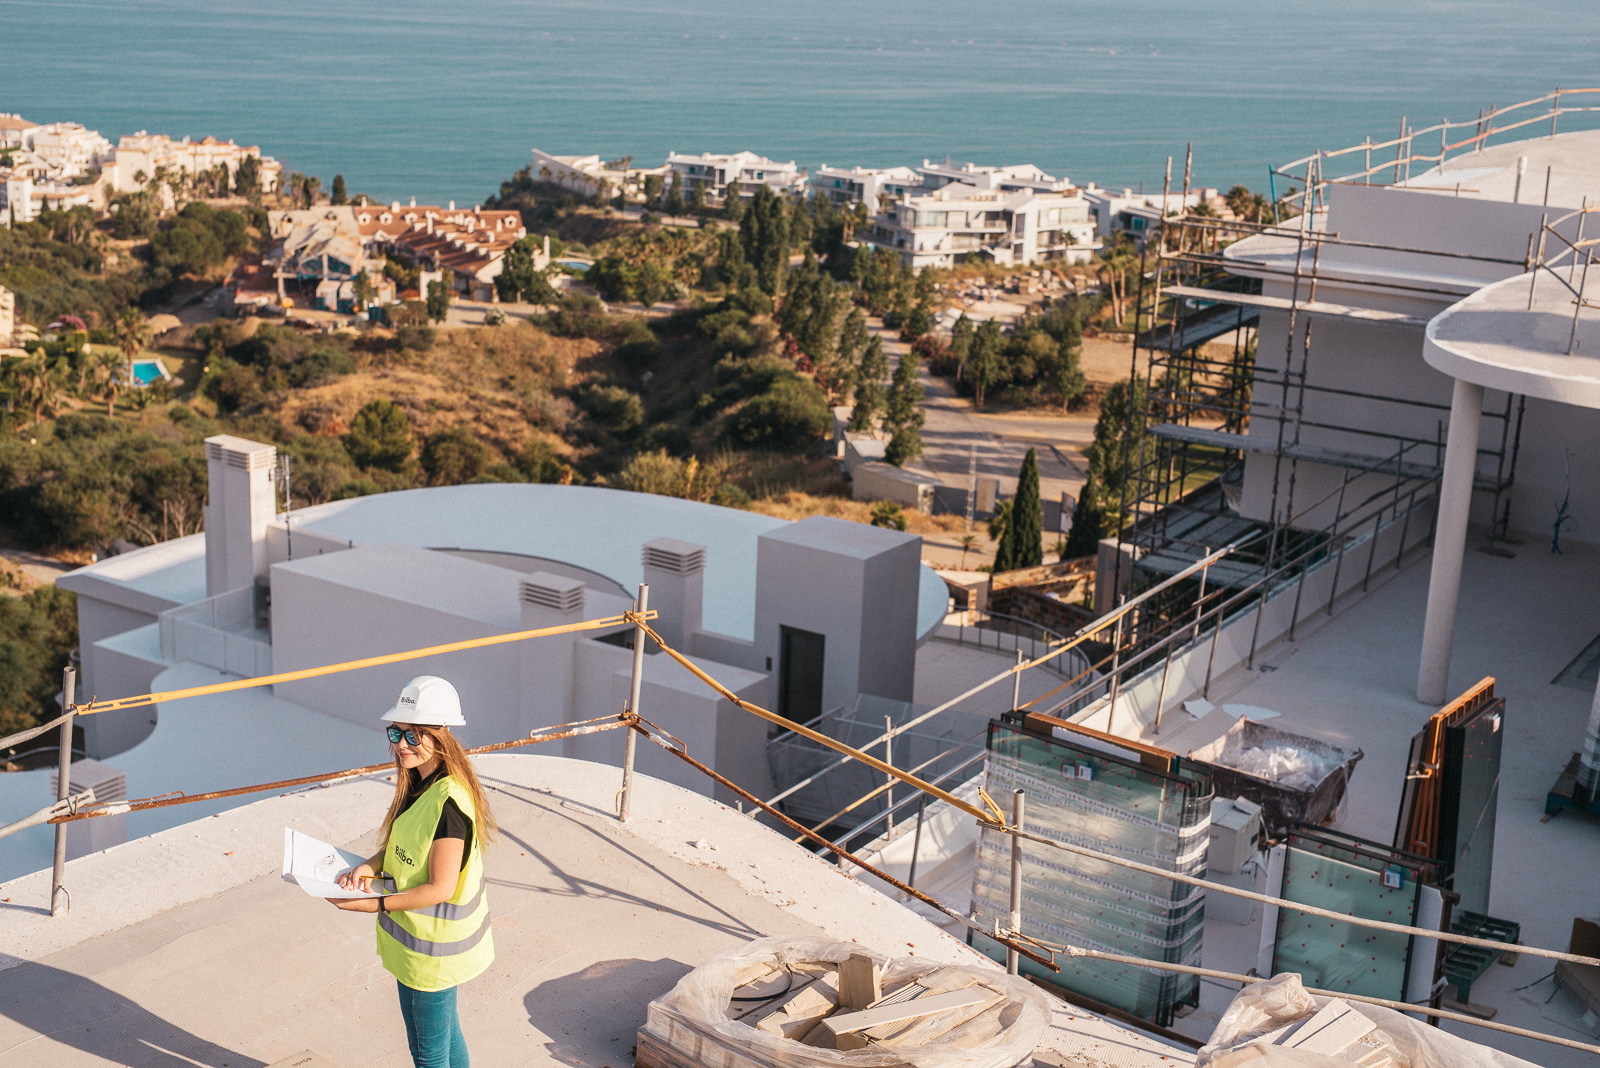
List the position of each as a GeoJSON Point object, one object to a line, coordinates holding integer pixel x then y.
{"type": "Point", "coordinates": [926, 1005]}
{"type": "Point", "coordinates": [860, 982]}
{"type": "Point", "coordinates": [978, 1030]}
{"type": "Point", "coordinates": [798, 1013]}
{"type": "Point", "coordinates": [921, 1032]}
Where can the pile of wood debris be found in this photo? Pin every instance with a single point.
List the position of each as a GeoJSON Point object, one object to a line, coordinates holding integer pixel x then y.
{"type": "Point", "coordinates": [837, 1009]}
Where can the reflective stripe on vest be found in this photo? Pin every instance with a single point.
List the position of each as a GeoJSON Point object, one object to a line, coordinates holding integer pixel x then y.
{"type": "Point", "coordinates": [446, 944]}
{"type": "Point", "coordinates": [443, 910]}
{"type": "Point", "coordinates": [418, 944]}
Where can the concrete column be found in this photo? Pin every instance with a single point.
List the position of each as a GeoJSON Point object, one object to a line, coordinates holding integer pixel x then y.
{"type": "Point", "coordinates": [1450, 541]}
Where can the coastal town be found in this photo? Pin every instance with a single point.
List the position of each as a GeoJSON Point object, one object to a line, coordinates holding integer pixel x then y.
{"type": "Point", "coordinates": [947, 613]}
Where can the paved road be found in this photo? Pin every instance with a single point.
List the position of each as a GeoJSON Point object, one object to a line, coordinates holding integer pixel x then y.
{"type": "Point", "coordinates": [955, 430]}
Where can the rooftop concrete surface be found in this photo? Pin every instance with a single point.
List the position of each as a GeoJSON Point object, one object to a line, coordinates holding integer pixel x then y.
{"type": "Point", "coordinates": [187, 948]}
{"type": "Point", "coordinates": [1573, 160]}
{"type": "Point", "coordinates": [1494, 338]}
{"type": "Point", "coordinates": [1351, 680]}
{"type": "Point", "coordinates": [597, 529]}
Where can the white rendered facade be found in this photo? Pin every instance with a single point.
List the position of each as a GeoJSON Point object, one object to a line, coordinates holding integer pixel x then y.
{"type": "Point", "coordinates": [864, 185]}
{"type": "Point", "coordinates": [588, 175]}
{"type": "Point", "coordinates": [712, 174]}
{"type": "Point", "coordinates": [1124, 211]}
{"type": "Point", "coordinates": [8, 316]}
{"type": "Point", "coordinates": [139, 156]}
{"type": "Point", "coordinates": [68, 148]}
{"type": "Point", "coordinates": [13, 129]}
{"type": "Point", "coordinates": [958, 222]}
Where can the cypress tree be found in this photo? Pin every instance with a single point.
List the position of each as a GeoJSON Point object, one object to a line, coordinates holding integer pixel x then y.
{"type": "Point", "coordinates": [869, 386]}
{"type": "Point", "coordinates": [903, 416]}
{"type": "Point", "coordinates": [339, 194]}
{"type": "Point", "coordinates": [1087, 520]}
{"type": "Point", "coordinates": [1020, 546]}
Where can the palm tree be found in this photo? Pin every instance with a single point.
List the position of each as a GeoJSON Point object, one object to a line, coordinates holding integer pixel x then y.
{"type": "Point", "coordinates": [969, 542]}
{"type": "Point", "coordinates": [107, 372]}
{"type": "Point", "coordinates": [40, 380]}
{"type": "Point", "coordinates": [132, 331]}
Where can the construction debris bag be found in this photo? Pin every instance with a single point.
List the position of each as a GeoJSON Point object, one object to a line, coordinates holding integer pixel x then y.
{"type": "Point", "coordinates": [1241, 1037]}
{"type": "Point", "coordinates": [691, 1020]}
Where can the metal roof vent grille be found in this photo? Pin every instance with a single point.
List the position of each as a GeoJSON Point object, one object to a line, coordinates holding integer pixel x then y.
{"type": "Point", "coordinates": [562, 595]}
{"type": "Point", "coordinates": [673, 556]}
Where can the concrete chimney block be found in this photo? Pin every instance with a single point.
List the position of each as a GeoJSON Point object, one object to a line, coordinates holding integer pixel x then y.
{"type": "Point", "coordinates": [243, 500]}
{"type": "Point", "coordinates": [550, 600]}
{"type": "Point", "coordinates": [675, 571]}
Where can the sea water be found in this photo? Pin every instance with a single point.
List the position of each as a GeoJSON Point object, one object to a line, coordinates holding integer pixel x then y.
{"type": "Point", "coordinates": [442, 101]}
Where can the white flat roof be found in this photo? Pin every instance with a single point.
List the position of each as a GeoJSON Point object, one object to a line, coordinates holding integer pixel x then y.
{"type": "Point", "coordinates": [600, 530]}
{"type": "Point", "coordinates": [1572, 161]}
{"type": "Point", "coordinates": [189, 942]}
{"type": "Point", "coordinates": [1494, 339]}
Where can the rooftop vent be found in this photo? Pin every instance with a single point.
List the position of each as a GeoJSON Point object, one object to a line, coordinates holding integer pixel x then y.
{"type": "Point", "coordinates": [240, 453]}
{"type": "Point", "coordinates": [553, 591]}
{"type": "Point", "coordinates": [676, 557]}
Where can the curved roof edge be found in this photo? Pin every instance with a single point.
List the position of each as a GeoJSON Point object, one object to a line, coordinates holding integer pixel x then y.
{"type": "Point", "coordinates": [1498, 338]}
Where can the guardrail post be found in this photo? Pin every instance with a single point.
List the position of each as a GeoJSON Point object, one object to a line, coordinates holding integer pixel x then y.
{"type": "Point", "coordinates": [625, 800]}
{"type": "Point", "coordinates": [60, 900]}
{"type": "Point", "coordinates": [1016, 684]}
{"type": "Point", "coordinates": [1018, 799]}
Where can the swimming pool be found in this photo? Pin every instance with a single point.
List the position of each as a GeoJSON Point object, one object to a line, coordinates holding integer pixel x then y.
{"type": "Point", "coordinates": [148, 371]}
{"type": "Point", "coordinates": [576, 265]}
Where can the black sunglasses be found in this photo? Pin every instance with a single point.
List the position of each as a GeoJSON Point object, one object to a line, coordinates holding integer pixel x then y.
{"type": "Point", "coordinates": [412, 737]}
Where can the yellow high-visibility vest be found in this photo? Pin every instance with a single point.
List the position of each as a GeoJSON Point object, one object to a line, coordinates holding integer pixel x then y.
{"type": "Point", "coordinates": [446, 944]}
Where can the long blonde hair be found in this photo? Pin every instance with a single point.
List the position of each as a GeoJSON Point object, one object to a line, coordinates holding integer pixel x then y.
{"type": "Point", "coordinates": [458, 766]}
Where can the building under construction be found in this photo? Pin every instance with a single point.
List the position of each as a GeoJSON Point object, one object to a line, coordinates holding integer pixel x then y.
{"type": "Point", "coordinates": [1293, 408]}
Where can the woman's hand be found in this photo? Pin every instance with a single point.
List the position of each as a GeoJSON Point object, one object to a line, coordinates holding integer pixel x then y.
{"type": "Point", "coordinates": [357, 878]}
{"type": "Point", "coordinates": [354, 904]}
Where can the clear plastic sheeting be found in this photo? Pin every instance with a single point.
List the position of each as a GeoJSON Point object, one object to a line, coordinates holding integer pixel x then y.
{"type": "Point", "coordinates": [692, 1019]}
{"type": "Point", "coordinates": [1249, 1028]}
{"type": "Point", "coordinates": [1287, 765]}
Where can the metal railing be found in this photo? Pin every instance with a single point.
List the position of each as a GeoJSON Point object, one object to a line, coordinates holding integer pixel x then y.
{"type": "Point", "coordinates": [1406, 151]}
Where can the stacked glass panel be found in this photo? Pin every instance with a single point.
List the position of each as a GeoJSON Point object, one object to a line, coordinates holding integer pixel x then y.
{"type": "Point", "coordinates": [1087, 790]}
{"type": "Point", "coordinates": [1359, 878]}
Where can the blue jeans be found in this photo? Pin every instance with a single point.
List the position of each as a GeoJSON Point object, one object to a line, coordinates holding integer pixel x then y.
{"type": "Point", "coordinates": [433, 1030]}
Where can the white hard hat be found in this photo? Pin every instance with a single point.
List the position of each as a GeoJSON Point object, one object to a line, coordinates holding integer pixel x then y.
{"type": "Point", "coordinates": [429, 701]}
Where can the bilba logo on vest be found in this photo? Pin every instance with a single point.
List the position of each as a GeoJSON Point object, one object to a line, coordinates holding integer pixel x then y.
{"type": "Point", "coordinates": [401, 853]}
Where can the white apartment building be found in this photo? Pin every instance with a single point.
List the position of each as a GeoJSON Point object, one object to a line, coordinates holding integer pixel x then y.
{"type": "Point", "coordinates": [1124, 211]}
{"type": "Point", "coordinates": [712, 174]}
{"type": "Point", "coordinates": [958, 222]}
{"type": "Point", "coordinates": [587, 175]}
{"type": "Point", "coordinates": [13, 128]}
{"type": "Point", "coordinates": [139, 156]}
{"type": "Point", "coordinates": [67, 148]}
{"type": "Point", "coordinates": [1009, 179]}
{"type": "Point", "coordinates": [16, 196]}
{"type": "Point", "coordinates": [864, 185]}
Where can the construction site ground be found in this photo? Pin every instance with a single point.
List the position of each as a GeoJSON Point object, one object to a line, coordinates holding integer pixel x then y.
{"type": "Point", "coordinates": [187, 948]}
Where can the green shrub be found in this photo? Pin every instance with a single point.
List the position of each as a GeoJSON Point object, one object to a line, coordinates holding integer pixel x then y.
{"type": "Point", "coordinates": [791, 414]}
{"type": "Point", "coordinates": [452, 457]}
{"type": "Point", "coordinates": [617, 409]}
{"type": "Point", "coordinates": [380, 436]}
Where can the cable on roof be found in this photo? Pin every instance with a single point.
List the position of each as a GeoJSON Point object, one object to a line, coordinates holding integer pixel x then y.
{"type": "Point", "coordinates": [118, 703]}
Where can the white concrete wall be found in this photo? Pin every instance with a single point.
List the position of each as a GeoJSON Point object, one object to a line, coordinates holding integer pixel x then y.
{"type": "Point", "coordinates": [857, 586]}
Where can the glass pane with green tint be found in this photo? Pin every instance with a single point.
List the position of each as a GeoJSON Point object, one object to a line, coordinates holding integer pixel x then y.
{"type": "Point", "coordinates": [1330, 954]}
{"type": "Point", "coordinates": [1083, 797]}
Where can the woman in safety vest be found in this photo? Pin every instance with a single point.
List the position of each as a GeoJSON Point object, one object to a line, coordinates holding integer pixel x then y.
{"type": "Point", "coordinates": [433, 916]}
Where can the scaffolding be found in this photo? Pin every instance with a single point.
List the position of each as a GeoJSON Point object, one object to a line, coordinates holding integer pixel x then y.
{"type": "Point", "coordinates": [1211, 395]}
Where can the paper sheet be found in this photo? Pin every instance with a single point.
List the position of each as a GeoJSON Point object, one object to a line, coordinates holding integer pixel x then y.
{"type": "Point", "coordinates": [314, 866]}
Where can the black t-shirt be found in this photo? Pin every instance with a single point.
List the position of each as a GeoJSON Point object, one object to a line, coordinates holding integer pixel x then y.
{"type": "Point", "coordinates": [453, 823]}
